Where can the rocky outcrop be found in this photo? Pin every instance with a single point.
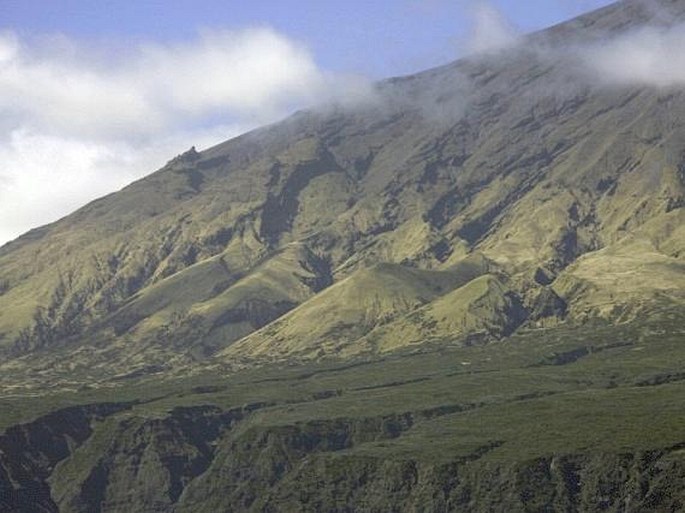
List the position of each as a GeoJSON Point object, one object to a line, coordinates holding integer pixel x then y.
{"type": "Point", "coordinates": [89, 460]}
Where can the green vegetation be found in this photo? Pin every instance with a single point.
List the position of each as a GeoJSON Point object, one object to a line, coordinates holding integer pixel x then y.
{"type": "Point", "coordinates": [554, 395]}
{"type": "Point", "coordinates": [538, 186]}
{"type": "Point", "coordinates": [467, 296]}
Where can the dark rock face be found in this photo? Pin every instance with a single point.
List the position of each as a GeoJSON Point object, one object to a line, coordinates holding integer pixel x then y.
{"type": "Point", "coordinates": [547, 304]}
{"type": "Point", "coordinates": [30, 452]}
{"type": "Point", "coordinates": [199, 459]}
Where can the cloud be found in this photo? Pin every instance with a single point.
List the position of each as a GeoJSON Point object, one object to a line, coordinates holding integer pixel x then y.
{"type": "Point", "coordinates": [649, 56]}
{"type": "Point", "coordinates": [78, 122]}
{"type": "Point", "coordinates": [254, 73]}
{"type": "Point", "coordinates": [9, 46]}
{"type": "Point", "coordinates": [491, 31]}
{"type": "Point", "coordinates": [43, 177]}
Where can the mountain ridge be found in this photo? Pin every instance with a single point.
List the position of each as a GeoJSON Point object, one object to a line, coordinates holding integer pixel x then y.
{"type": "Point", "coordinates": [485, 156]}
{"type": "Point", "coordinates": [465, 295]}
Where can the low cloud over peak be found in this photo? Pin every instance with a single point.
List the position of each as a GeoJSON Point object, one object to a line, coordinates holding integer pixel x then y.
{"type": "Point", "coordinates": [491, 30]}
{"type": "Point", "coordinates": [651, 56]}
{"type": "Point", "coordinates": [77, 123]}
{"type": "Point", "coordinates": [255, 74]}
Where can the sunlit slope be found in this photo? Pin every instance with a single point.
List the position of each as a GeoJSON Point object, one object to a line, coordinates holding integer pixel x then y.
{"type": "Point", "coordinates": [206, 307]}
{"type": "Point", "coordinates": [519, 157]}
{"type": "Point", "coordinates": [334, 321]}
{"type": "Point", "coordinates": [627, 278]}
{"type": "Point", "coordinates": [482, 310]}
{"type": "Point", "coordinates": [465, 295]}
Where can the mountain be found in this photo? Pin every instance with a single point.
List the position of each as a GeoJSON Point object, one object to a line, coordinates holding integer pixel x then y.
{"type": "Point", "coordinates": [514, 157]}
{"type": "Point", "coordinates": [412, 278]}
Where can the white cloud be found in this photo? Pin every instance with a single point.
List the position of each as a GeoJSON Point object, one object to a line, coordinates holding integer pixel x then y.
{"type": "Point", "coordinates": [254, 71]}
{"type": "Point", "coordinates": [491, 30]}
{"type": "Point", "coordinates": [650, 56]}
{"type": "Point", "coordinates": [9, 46]}
{"type": "Point", "coordinates": [76, 124]}
{"type": "Point", "coordinates": [43, 177]}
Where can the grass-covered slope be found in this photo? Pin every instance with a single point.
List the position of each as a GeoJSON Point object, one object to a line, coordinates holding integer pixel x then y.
{"type": "Point", "coordinates": [465, 295]}
{"type": "Point", "coordinates": [571, 189]}
{"type": "Point", "coordinates": [334, 321]}
{"type": "Point", "coordinates": [564, 419]}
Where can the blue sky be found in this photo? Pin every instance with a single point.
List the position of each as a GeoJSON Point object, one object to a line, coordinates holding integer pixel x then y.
{"type": "Point", "coordinates": [95, 94]}
{"type": "Point", "coordinates": [375, 37]}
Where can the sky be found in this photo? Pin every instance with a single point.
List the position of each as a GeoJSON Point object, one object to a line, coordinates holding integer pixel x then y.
{"type": "Point", "coordinates": [94, 95]}
{"type": "Point", "coordinates": [379, 38]}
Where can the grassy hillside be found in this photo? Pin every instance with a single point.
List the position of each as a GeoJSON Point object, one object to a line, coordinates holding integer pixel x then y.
{"type": "Point", "coordinates": [334, 321]}
{"type": "Point", "coordinates": [573, 194]}
{"type": "Point", "coordinates": [467, 295]}
{"type": "Point", "coordinates": [582, 419]}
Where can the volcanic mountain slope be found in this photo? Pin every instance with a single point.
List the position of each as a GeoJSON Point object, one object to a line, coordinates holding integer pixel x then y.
{"type": "Point", "coordinates": [466, 294]}
{"type": "Point", "coordinates": [500, 192]}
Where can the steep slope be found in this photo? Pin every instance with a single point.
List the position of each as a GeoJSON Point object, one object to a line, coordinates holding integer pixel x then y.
{"type": "Point", "coordinates": [332, 322]}
{"type": "Point", "coordinates": [208, 305]}
{"type": "Point", "coordinates": [465, 295]}
{"type": "Point", "coordinates": [481, 309]}
{"type": "Point", "coordinates": [518, 156]}
{"type": "Point", "coordinates": [644, 268]}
